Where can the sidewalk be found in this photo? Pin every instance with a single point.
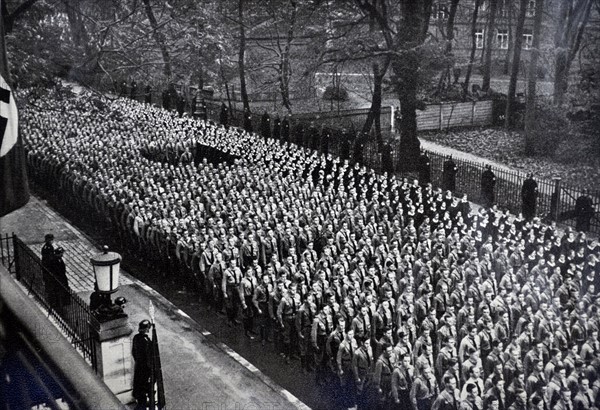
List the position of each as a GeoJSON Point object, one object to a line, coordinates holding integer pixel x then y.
{"type": "Point", "coordinates": [444, 150]}
{"type": "Point", "coordinates": [199, 372]}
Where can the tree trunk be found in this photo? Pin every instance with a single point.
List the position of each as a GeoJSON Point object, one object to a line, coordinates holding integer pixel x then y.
{"type": "Point", "coordinates": [10, 18]}
{"type": "Point", "coordinates": [573, 19]}
{"type": "Point", "coordinates": [447, 74]}
{"type": "Point", "coordinates": [511, 39]}
{"type": "Point", "coordinates": [532, 79]}
{"type": "Point", "coordinates": [285, 74]}
{"type": "Point", "coordinates": [160, 41]}
{"type": "Point", "coordinates": [375, 110]}
{"type": "Point", "coordinates": [241, 57]}
{"type": "Point", "coordinates": [514, 74]}
{"type": "Point", "coordinates": [473, 48]}
{"type": "Point", "coordinates": [406, 69]}
{"type": "Point", "coordinates": [489, 35]}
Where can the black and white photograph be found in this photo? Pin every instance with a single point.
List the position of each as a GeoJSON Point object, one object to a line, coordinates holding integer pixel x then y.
{"type": "Point", "coordinates": [300, 204]}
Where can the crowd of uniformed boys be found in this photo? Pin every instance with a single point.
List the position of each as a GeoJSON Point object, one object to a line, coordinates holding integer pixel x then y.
{"type": "Point", "coordinates": [396, 294]}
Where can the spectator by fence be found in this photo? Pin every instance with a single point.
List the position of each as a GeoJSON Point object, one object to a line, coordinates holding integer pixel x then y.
{"type": "Point", "coordinates": [555, 201]}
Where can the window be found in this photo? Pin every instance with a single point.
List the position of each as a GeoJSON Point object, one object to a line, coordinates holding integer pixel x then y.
{"type": "Point", "coordinates": [439, 11]}
{"type": "Point", "coordinates": [530, 12]}
{"type": "Point", "coordinates": [502, 38]}
{"type": "Point", "coordinates": [527, 39]}
{"type": "Point", "coordinates": [503, 8]}
{"type": "Point", "coordinates": [479, 38]}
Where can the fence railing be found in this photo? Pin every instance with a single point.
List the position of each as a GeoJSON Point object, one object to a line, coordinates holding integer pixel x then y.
{"type": "Point", "coordinates": [555, 201]}
{"type": "Point", "coordinates": [39, 367]}
{"type": "Point", "coordinates": [70, 312]}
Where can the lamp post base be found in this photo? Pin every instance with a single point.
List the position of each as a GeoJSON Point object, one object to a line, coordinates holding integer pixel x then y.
{"type": "Point", "coordinates": [113, 349]}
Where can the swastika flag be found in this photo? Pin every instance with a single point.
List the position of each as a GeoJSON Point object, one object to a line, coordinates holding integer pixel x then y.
{"type": "Point", "coordinates": [14, 190]}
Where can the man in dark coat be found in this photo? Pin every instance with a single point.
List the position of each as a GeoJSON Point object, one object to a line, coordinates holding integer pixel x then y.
{"type": "Point", "coordinates": [298, 135]}
{"type": "Point", "coordinates": [584, 211]}
{"type": "Point", "coordinates": [285, 130]}
{"type": "Point", "coordinates": [133, 90]}
{"type": "Point", "coordinates": [180, 105]}
{"type": "Point", "coordinates": [324, 142]}
{"type": "Point", "coordinates": [449, 175]}
{"type": "Point", "coordinates": [344, 145]}
{"type": "Point", "coordinates": [148, 95]}
{"type": "Point", "coordinates": [358, 149]}
{"type": "Point", "coordinates": [248, 120]}
{"type": "Point", "coordinates": [424, 168]}
{"type": "Point", "coordinates": [224, 115]}
{"type": "Point", "coordinates": [387, 161]}
{"type": "Point", "coordinates": [488, 183]}
{"type": "Point", "coordinates": [265, 125]}
{"type": "Point", "coordinates": [529, 194]}
{"type": "Point", "coordinates": [277, 128]}
{"type": "Point", "coordinates": [55, 277]}
{"type": "Point", "coordinates": [48, 251]}
{"type": "Point", "coordinates": [142, 355]}
{"type": "Point", "coordinates": [311, 138]}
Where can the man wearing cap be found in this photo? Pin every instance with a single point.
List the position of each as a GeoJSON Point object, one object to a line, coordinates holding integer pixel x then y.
{"type": "Point", "coordinates": [142, 351]}
{"type": "Point", "coordinates": [48, 255]}
{"type": "Point", "coordinates": [55, 282]}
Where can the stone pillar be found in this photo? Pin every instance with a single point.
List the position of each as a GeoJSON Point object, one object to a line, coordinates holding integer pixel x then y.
{"type": "Point", "coordinates": [555, 200]}
{"type": "Point", "coordinates": [113, 350]}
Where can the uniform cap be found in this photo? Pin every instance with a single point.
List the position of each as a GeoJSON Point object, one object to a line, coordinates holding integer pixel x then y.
{"type": "Point", "coordinates": [144, 324]}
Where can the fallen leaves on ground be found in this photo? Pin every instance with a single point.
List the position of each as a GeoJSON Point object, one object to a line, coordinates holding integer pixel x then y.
{"type": "Point", "coordinates": [578, 165]}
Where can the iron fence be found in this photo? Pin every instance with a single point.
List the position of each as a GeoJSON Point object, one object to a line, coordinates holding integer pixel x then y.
{"type": "Point", "coordinates": [555, 201]}
{"type": "Point", "coordinates": [69, 311]}
{"type": "Point", "coordinates": [39, 368]}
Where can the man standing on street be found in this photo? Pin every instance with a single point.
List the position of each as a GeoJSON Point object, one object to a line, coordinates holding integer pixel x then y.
{"type": "Point", "coordinates": [142, 353]}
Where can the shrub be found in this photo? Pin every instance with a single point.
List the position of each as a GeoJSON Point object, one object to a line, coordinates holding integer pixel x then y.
{"type": "Point", "coordinates": [335, 93]}
{"type": "Point", "coordinates": [551, 128]}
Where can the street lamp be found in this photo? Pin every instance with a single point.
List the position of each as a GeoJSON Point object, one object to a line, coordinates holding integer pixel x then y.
{"type": "Point", "coordinates": [106, 270]}
{"type": "Point", "coordinates": [106, 267]}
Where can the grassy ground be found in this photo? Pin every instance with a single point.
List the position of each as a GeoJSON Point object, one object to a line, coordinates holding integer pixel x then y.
{"type": "Point", "coordinates": [576, 164]}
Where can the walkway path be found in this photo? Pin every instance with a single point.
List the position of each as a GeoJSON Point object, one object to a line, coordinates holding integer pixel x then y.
{"type": "Point", "coordinates": [444, 150]}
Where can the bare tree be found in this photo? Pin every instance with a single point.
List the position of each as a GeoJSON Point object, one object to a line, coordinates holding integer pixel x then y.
{"type": "Point", "coordinates": [572, 20]}
{"type": "Point", "coordinates": [18, 12]}
{"type": "Point", "coordinates": [532, 78]}
{"type": "Point", "coordinates": [374, 116]}
{"type": "Point", "coordinates": [159, 39]}
{"type": "Point", "coordinates": [473, 47]}
{"type": "Point", "coordinates": [446, 76]}
{"type": "Point", "coordinates": [514, 74]}
{"type": "Point", "coordinates": [489, 41]}
{"type": "Point", "coordinates": [403, 38]}
{"type": "Point", "coordinates": [241, 56]}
